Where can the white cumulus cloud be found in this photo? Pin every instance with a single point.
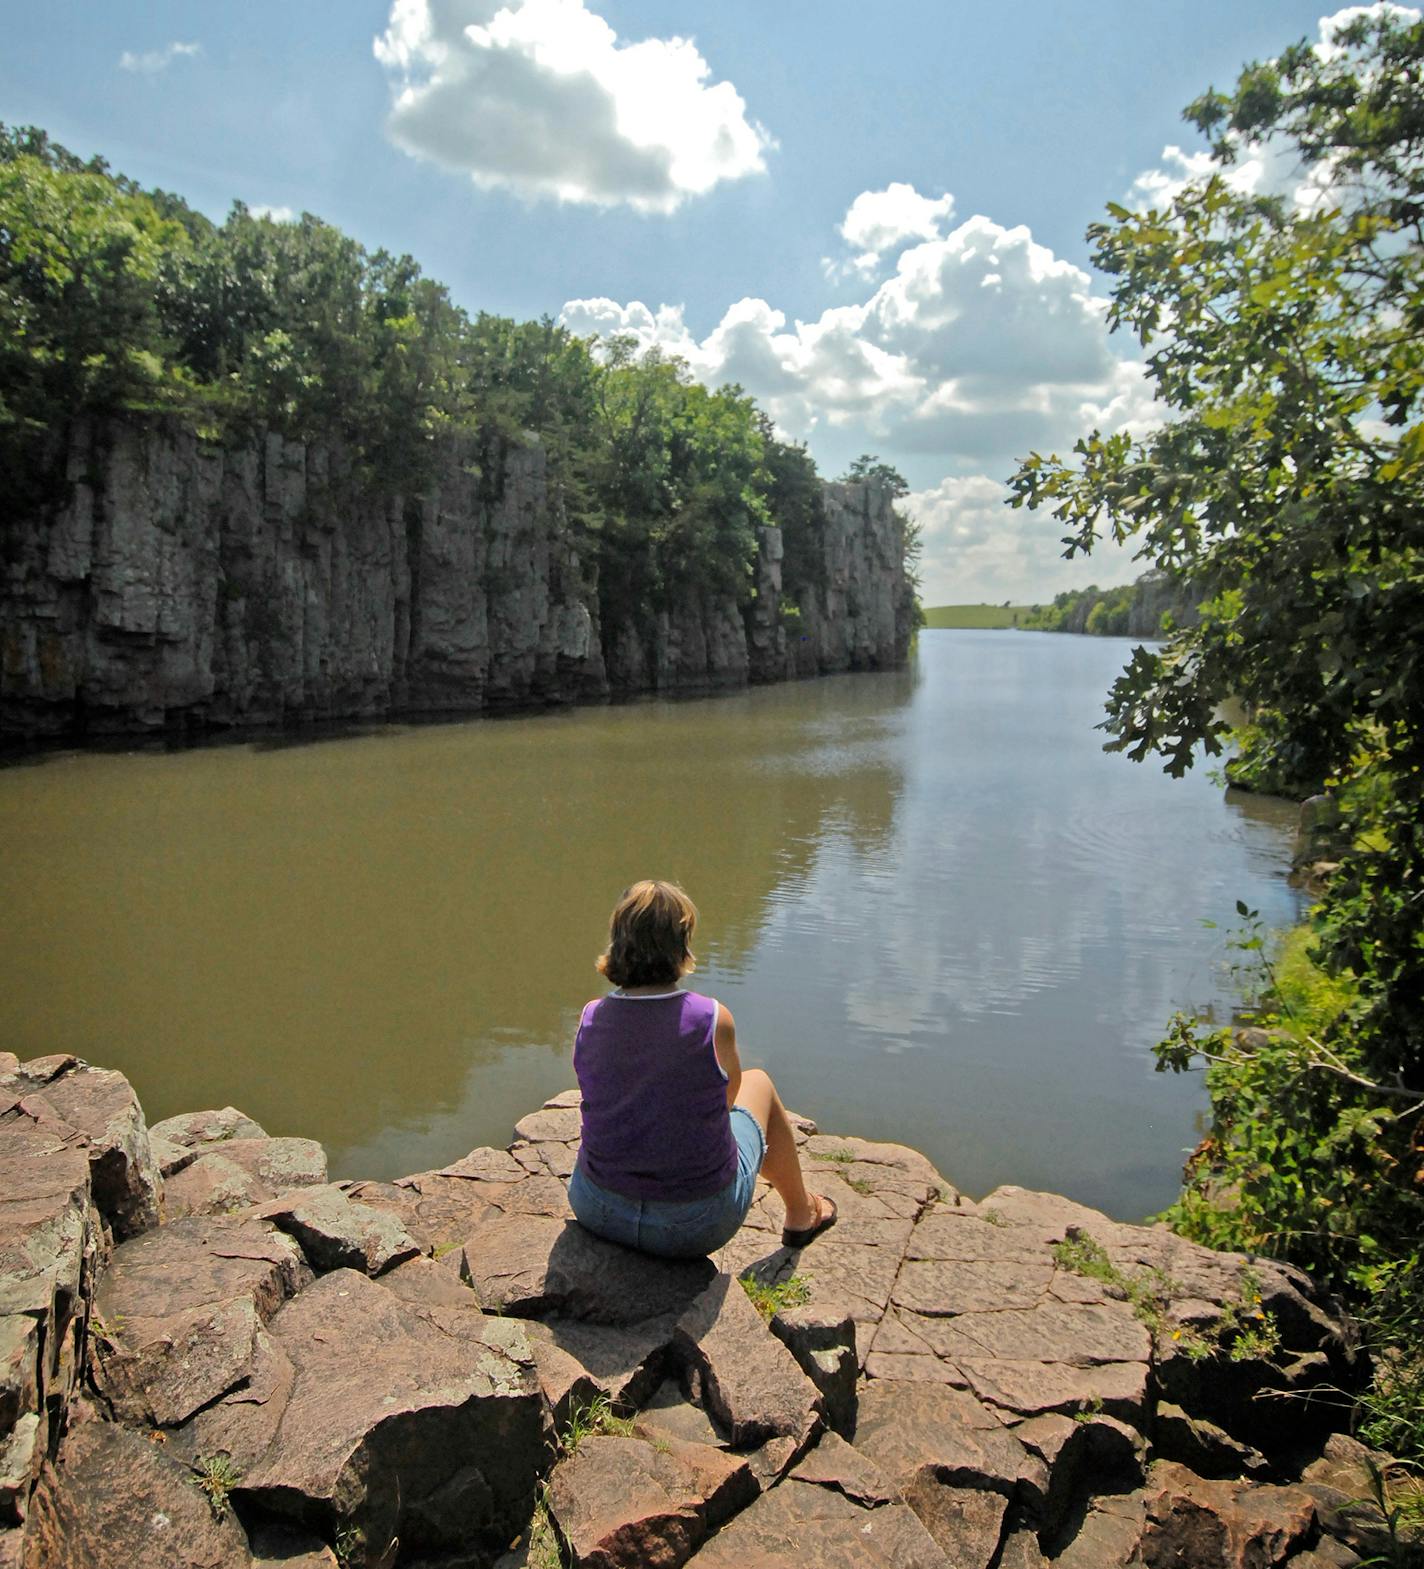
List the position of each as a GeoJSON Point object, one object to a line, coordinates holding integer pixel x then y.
{"type": "Point", "coordinates": [276, 214]}
{"type": "Point", "coordinates": [542, 98]}
{"type": "Point", "coordinates": [150, 62]}
{"type": "Point", "coordinates": [982, 346]}
{"type": "Point", "coordinates": [881, 222]}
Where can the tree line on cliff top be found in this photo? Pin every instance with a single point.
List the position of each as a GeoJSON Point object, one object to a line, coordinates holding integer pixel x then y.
{"type": "Point", "coordinates": [115, 299]}
{"type": "Point", "coordinates": [1286, 341]}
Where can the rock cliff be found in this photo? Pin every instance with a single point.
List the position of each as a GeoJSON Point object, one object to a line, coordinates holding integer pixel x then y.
{"type": "Point", "coordinates": [214, 1356]}
{"type": "Point", "coordinates": [179, 583]}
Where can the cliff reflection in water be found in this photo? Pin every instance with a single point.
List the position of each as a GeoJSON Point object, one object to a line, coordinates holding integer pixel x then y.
{"type": "Point", "coordinates": [384, 941]}
{"type": "Point", "coordinates": [939, 911]}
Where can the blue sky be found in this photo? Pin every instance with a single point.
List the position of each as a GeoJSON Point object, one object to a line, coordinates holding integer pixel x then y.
{"type": "Point", "coordinates": [873, 219]}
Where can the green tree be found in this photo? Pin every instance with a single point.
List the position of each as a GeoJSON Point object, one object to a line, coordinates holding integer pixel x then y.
{"type": "Point", "coordinates": [1287, 342]}
{"type": "Point", "coordinates": [868, 466]}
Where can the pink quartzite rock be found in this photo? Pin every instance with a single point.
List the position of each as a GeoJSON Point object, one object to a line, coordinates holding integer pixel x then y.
{"type": "Point", "coordinates": [622, 1503]}
{"type": "Point", "coordinates": [534, 1266]}
{"type": "Point", "coordinates": [180, 1311]}
{"type": "Point", "coordinates": [1109, 1536]}
{"type": "Point", "coordinates": [576, 1361]}
{"type": "Point", "coordinates": [1196, 1524]}
{"type": "Point", "coordinates": [750, 1382]}
{"type": "Point", "coordinates": [394, 1427]}
{"type": "Point", "coordinates": [799, 1524]}
{"type": "Point", "coordinates": [1084, 1456]}
{"type": "Point", "coordinates": [954, 1462]}
{"type": "Point", "coordinates": [178, 1141]}
{"type": "Point", "coordinates": [337, 1233]}
{"type": "Point", "coordinates": [116, 1501]}
{"type": "Point", "coordinates": [101, 1106]}
{"type": "Point", "coordinates": [241, 1172]}
{"type": "Point", "coordinates": [51, 1243]}
{"type": "Point", "coordinates": [822, 1338]}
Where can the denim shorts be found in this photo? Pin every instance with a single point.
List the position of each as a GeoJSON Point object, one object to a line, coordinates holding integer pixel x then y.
{"type": "Point", "coordinates": [682, 1229]}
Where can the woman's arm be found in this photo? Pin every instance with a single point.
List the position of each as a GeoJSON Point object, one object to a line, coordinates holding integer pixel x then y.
{"type": "Point", "coordinates": [724, 1043]}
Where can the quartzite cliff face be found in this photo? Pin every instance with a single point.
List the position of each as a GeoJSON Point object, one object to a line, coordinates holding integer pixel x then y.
{"type": "Point", "coordinates": [179, 583]}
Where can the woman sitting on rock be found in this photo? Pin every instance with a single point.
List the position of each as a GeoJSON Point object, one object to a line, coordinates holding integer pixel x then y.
{"type": "Point", "coordinates": [674, 1132]}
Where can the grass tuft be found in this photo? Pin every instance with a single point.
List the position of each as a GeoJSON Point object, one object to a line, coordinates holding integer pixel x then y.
{"type": "Point", "coordinates": [597, 1419]}
{"type": "Point", "coordinates": [770, 1300]}
{"type": "Point", "coordinates": [215, 1476]}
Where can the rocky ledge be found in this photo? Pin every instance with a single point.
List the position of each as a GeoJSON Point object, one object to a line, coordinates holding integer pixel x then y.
{"type": "Point", "coordinates": [212, 1356]}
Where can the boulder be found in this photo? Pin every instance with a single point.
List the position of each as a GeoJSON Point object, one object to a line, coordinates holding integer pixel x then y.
{"type": "Point", "coordinates": [1108, 1537]}
{"type": "Point", "coordinates": [1084, 1456]}
{"type": "Point", "coordinates": [113, 1500]}
{"type": "Point", "coordinates": [1193, 1523]}
{"type": "Point", "coordinates": [622, 1503]}
{"type": "Point", "coordinates": [337, 1232]}
{"type": "Point", "coordinates": [749, 1381]}
{"type": "Point", "coordinates": [240, 1172]}
{"type": "Point", "coordinates": [179, 1313]}
{"type": "Point", "coordinates": [101, 1106]}
{"type": "Point", "coordinates": [385, 1424]}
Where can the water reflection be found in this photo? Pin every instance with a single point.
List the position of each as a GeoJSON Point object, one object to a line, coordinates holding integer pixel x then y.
{"type": "Point", "coordinates": [939, 911]}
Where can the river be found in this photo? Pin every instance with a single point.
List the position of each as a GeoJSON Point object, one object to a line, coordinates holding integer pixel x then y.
{"type": "Point", "coordinates": [941, 914]}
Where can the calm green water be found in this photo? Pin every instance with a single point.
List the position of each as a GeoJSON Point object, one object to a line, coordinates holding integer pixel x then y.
{"type": "Point", "coordinates": [939, 912]}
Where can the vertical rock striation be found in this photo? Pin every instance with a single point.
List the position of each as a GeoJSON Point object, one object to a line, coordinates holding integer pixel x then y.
{"type": "Point", "coordinates": [175, 583]}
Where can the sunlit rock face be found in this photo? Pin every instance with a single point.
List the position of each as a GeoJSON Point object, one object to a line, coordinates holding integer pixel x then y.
{"type": "Point", "coordinates": [176, 583]}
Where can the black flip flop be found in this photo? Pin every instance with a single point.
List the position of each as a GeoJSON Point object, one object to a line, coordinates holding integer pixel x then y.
{"type": "Point", "coordinates": [799, 1239]}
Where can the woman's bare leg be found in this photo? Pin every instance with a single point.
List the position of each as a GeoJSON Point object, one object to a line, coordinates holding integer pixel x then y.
{"type": "Point", "coordinates": [782, 1166]}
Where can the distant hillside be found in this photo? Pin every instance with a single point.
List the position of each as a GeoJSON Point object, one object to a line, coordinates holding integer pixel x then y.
{"type": "Point", "coordinates": [977, 616]}
{"type": "Point", "coordinates": [1150, 607]}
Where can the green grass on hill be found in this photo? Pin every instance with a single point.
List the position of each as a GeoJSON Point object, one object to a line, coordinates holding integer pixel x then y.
{"type": "Point", "coordinates": [975, 615]}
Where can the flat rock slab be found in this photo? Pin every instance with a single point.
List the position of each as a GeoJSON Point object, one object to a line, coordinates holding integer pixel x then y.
{"type": "Point", "coordinates": [102, 1107]}
{"type": "Point", "coordinates": [114, 1500]}
{"type": "Point", "coordinates": [240, 1172]}
{"type": "Point", "coordinates": [534, 1266]}
{"type": "Point", "coordinates": [750, 1382]}
{"type": "Point", "coordinates": [337, 1232]}
{"type": "Point", "coordinates": [391, 1425]}
{"type": "Point", "coordinates": [800, 1524]}
{"type": "Point", "coordinates": [915, 1430]}
{"type": "Point", "coordinates": [670, 1414]}
{"type": "Point", "coordinates": [623, 1503]}
{"type": "Point", "coordinates": [180, 1310]}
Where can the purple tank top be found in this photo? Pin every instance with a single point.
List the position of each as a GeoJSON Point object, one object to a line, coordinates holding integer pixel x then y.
{"type": "Point", "coordinates": [655, 1120]}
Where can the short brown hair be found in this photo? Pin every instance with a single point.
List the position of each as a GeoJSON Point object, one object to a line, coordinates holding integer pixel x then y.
{"type": "Point", "coordinates": [649, 936]}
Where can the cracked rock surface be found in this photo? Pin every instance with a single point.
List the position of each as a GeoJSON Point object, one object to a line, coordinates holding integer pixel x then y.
{"type": "Point", "coordinates": [447, 1371]}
